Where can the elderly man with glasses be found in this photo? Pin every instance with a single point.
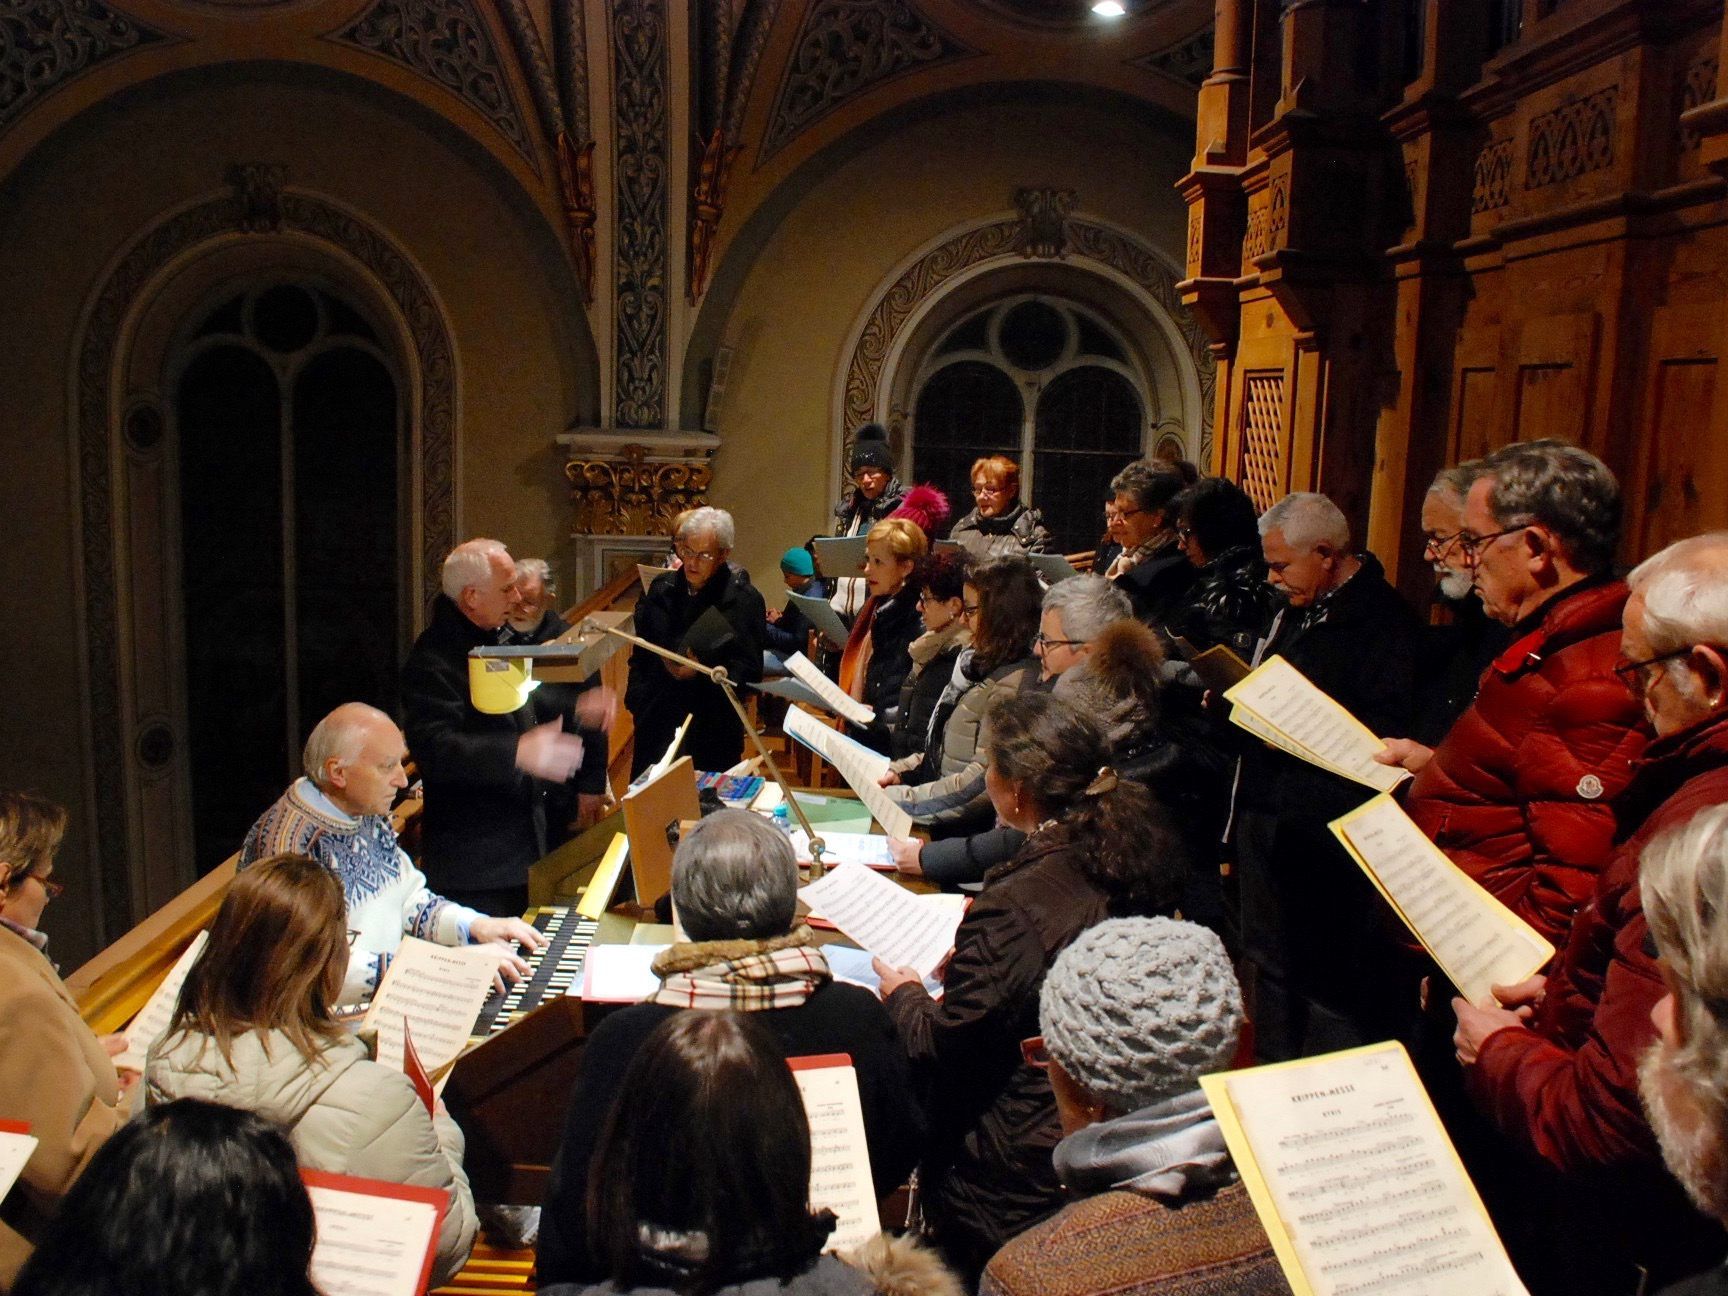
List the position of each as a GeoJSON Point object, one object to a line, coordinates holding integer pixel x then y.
{"type": "Point", "coordinates": [1555, 1068]}
{"type": "Point", "coordinates": [1519, 793]}
{"type": "Point", "coordinates": [707, 610]}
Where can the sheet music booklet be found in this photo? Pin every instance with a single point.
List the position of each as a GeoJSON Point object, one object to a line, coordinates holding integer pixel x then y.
{"type": "Point", "coordinates": [857, 764]}
{"type": "Point", "coordinates": [1477, 941]}
{"type": "Point", "coordinates": [708, 637]}
{"type": "Point", "coordinates": [1219, 667]}
{"type": "Point", "coordinates": [1353, 1176]}
{"type": "Point", "coordinates": [1052, 567]}
{"type": "Point", "coordinates": [151, 1023]}
{"type": "Point", "coordinates": [820, 613]}
{"type": "Point", "coordinates": [648, 573]}
{"type": "Point", "coordinates": [832, 696]}
{"type": "Point", "coordinates": [840, 1178]}
{"type": "Point", "coordinates": [440, 990]}
{"type": "Point", "coordinates": [839, 555]}
{"type": "Point", "coordinates": [1282, 706]}
{"type": "Point", "coordinates": [16, 1146]}
{"type": "Point", "coordinates": [374, 1238]}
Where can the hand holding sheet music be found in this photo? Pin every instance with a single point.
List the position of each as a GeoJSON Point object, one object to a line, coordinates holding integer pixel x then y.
{"type": "Point", "coordinates": [857, 764]}
{"type": "Point", "coordinates": [1279, 698]}
{"type": "Point", "coordinates": [901, 929]}
{"type": "Point", "coordinates": [1477, 941]}
{"type": "Point", "coordinates": [1355, 1180]}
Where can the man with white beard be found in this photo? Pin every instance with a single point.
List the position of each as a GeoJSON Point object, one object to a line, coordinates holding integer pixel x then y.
{"type": "Point", "coordinates": [1684, 1076]}
{"type": "Point", "coordinates": [1454, 654]}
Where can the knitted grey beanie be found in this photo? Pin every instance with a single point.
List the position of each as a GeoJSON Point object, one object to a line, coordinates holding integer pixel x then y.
{"type": "Point", "coordinates": [1138, 1009]}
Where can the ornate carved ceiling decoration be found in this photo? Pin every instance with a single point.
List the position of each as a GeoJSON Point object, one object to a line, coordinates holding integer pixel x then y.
{"type": "Point", "coordinates": [1188, 61]}
{"type": "Point", "coordinates": [845, 48]}
{"type": "Point", "coordinates": [641, 211]}
{"type": "Point", "coordinates": [45, 44]}
{"type": "Point", "coordinates": [446, 41]}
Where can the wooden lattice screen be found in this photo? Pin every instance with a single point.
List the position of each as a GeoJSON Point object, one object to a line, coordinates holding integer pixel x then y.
{"type": "Point", "coordinates": [1261, 470]}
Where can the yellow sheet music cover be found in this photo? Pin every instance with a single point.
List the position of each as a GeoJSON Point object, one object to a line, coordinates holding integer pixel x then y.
{"type": "Point", "coordinates": [1355, 1180]}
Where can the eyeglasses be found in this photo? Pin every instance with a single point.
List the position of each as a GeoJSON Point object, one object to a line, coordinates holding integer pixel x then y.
{"type": "Point", "coordinates": [1473, 545]}
{"type": "Point", "coordinates": [1034, 1054]}
{"type": "Point", "coordinates": [1436, 543]}
{"type": "Point", "coordinates": [1631, 673]}
{"type": "Point", "coordinates": [698, 555]}
{"type": "Point", "coordinates": [353, 935]}
{"type": "Point", "coordinates": [1129, 512]}
{"type": "Point", "coordinates": [1184, 534]}
{"type": "Point", "coordinates": [1042, 640]}
{"type": "Point", "coordinates": [968, 609]}
{"type": "Point", "coordinates": [54, 889]}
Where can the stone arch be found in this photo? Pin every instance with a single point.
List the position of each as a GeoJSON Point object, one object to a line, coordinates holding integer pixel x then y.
{"type": "Point", "coordinates": [132, 740]}
{"type": "Point", "coordinates": [951, 268]}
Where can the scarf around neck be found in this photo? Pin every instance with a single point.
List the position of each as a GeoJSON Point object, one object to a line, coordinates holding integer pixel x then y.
{"type": "Point", "coordinates": [1169, 1150]}
{"type": "Point", "coordinates": [743, 975]}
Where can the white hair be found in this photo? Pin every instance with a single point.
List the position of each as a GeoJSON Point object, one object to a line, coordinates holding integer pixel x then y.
{"type": "Point", "coordinates": [1307, 520]}
{"type": "Point", "coordinates": [540, 570]}
{"type": "Point", "coordinates": [1454, 483]}
{"type": "Point", "coordinates": [1087, 604]}
{"type": "Point", "coordinates": [469, 563]}
{"type": "Point", "coordinates": [1683, 880]}
{"type": "Point", "coordinates": [1685, 593]}
{"type": "Point", "coordinates": [734, 877]}
{"type": "Point", "coordinates": [339, 736]}
{"type": "Point", "coordinates": [708, 521]}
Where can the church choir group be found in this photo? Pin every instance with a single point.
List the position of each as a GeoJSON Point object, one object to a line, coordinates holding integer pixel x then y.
{"type": "Point", "coordinates": [1156, 897]}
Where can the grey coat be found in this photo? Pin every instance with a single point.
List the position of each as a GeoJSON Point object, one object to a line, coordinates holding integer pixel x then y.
{"type": "Point", "coordinates": [952, 794]}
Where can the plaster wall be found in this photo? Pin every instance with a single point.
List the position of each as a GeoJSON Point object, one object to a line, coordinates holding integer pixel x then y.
{"type": "Point", "coordinates": [524, 363]}
{"type": "Point", "coordinates": [820, 269]}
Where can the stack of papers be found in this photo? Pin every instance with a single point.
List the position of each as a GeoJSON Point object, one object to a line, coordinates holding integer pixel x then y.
{"type": "Point", "coordinates": [1477, 941]}
{"type": "Point", "coordinates": [1280, 705]}
{"type": "Point", "coordinates": [619, 973]}
{"type": "Point", "coordinates": [868, 849]}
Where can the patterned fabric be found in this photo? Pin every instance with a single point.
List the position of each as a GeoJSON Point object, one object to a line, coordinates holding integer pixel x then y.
{"type": "Point", "coordinates": [745, 976]}
{"type": "Point", "coordinates": [361, 852]}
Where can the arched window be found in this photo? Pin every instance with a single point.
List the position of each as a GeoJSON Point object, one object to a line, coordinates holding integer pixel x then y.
{"type": "Point", "coordinates": [1047, 382]}
{"type": "Point", "coordinates": [288, 421]}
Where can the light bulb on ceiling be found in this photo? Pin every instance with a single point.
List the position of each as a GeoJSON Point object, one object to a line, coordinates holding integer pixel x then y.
{"type": "Point", "coordinates": [1109, 8]}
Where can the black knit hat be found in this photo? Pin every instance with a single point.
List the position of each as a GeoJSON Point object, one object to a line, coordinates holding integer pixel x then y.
{"type": "Point", "coordinates": [870, 449]}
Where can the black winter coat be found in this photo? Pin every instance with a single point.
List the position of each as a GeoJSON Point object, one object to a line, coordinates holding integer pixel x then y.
{"type": "Point", "coordinates": [986, 1174]}
{"type": "Point", "coordinates": [1158, 584]}
{"type": "Point", "coordinates": [659, 703]}
{"type": "Point", "coordinates": [894, 624]}
{"type": "Point", "coordinates": [1228, 603]}
{"type": "Point", "coordinates": [919, 694]}
{"type": "Point", "coordinates": [485, 820]}
{"type": "Point", "coordinates": [836, 1018]}
{"type": "Point", "coordinates": [854, 515]}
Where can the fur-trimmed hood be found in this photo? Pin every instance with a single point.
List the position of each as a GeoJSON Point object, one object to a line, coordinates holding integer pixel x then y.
{"type": "Point", "coordinates": [901, 1266]}
{"type": "Point", "coordinates": [688, 956]}
{"type": "Point", "coordinates": [1117, 683]}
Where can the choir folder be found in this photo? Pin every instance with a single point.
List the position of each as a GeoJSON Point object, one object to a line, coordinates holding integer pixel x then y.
{"type": "Point", "coordinates": [1354, 1178]}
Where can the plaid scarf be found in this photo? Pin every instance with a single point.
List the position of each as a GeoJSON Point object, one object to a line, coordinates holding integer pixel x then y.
{"type": "Point", "coordinates": [743, 975]}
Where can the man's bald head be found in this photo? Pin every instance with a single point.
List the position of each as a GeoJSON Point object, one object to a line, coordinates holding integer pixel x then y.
{"type": "Point", "coordinates": [354, 756]}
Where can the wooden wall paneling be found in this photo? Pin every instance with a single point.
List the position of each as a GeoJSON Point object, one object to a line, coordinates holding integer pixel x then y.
{"type": "Point", "coordinates": [1554, 381]}
{"type": "Point", "coordinates": [1680, 485]}
{"type": "Point", "coordinates": [1475, 392]}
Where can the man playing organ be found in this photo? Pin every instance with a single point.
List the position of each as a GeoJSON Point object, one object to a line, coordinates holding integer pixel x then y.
{"type": "Point", "coordinates": [338, 813]}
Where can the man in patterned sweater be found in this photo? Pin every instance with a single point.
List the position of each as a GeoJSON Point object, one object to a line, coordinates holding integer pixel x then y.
{"type": "Point", "coordinates": [339, 815]}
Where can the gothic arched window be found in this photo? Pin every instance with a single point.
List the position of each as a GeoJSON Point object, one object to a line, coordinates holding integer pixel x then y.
{"type": "Point", "coordinates": [289, 463]}
{"type": "Point", "coordinates": [1046, 382]}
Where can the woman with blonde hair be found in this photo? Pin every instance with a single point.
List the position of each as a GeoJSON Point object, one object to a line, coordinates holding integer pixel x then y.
{"type": "Point", "coordinates": [254, 1029]}
{"type": "Point", "coordinates": [877, 659]}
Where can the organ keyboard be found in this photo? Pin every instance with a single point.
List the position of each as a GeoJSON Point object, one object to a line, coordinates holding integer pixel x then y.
{"type": "Point", "coordinates": [553, 971]}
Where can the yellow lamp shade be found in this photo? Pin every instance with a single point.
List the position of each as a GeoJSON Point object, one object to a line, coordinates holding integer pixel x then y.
{"type": "Point", "coordinates": [499, 685]}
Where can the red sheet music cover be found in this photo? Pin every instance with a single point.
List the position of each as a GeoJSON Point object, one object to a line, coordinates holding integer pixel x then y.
{"type": "Point", "coordinates": [437, 1198]}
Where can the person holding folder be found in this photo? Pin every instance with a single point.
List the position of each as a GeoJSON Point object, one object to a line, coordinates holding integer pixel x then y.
{"type": "Point", "coordinates": [707, 610]}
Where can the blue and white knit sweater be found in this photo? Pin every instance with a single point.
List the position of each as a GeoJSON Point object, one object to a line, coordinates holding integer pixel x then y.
{"type": "Point", "coordinates": [387, 896]}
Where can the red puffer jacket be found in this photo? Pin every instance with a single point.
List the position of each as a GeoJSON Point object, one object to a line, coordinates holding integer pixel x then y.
{"type": "Point", "coordinates": [1519, 793]}
{"type": "Point", "coordinates": [1567, 1088]}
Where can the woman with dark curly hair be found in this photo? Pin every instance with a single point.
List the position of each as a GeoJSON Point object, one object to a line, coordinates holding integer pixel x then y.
{"type": "Point", "coordinates": [1097, 846]}
{"type": "Point", "coordinates": [191, 1197]}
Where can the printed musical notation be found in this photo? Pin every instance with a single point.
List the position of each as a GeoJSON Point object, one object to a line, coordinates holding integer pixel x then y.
{"type": "Point", "coordinates": [1355, 1179]}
